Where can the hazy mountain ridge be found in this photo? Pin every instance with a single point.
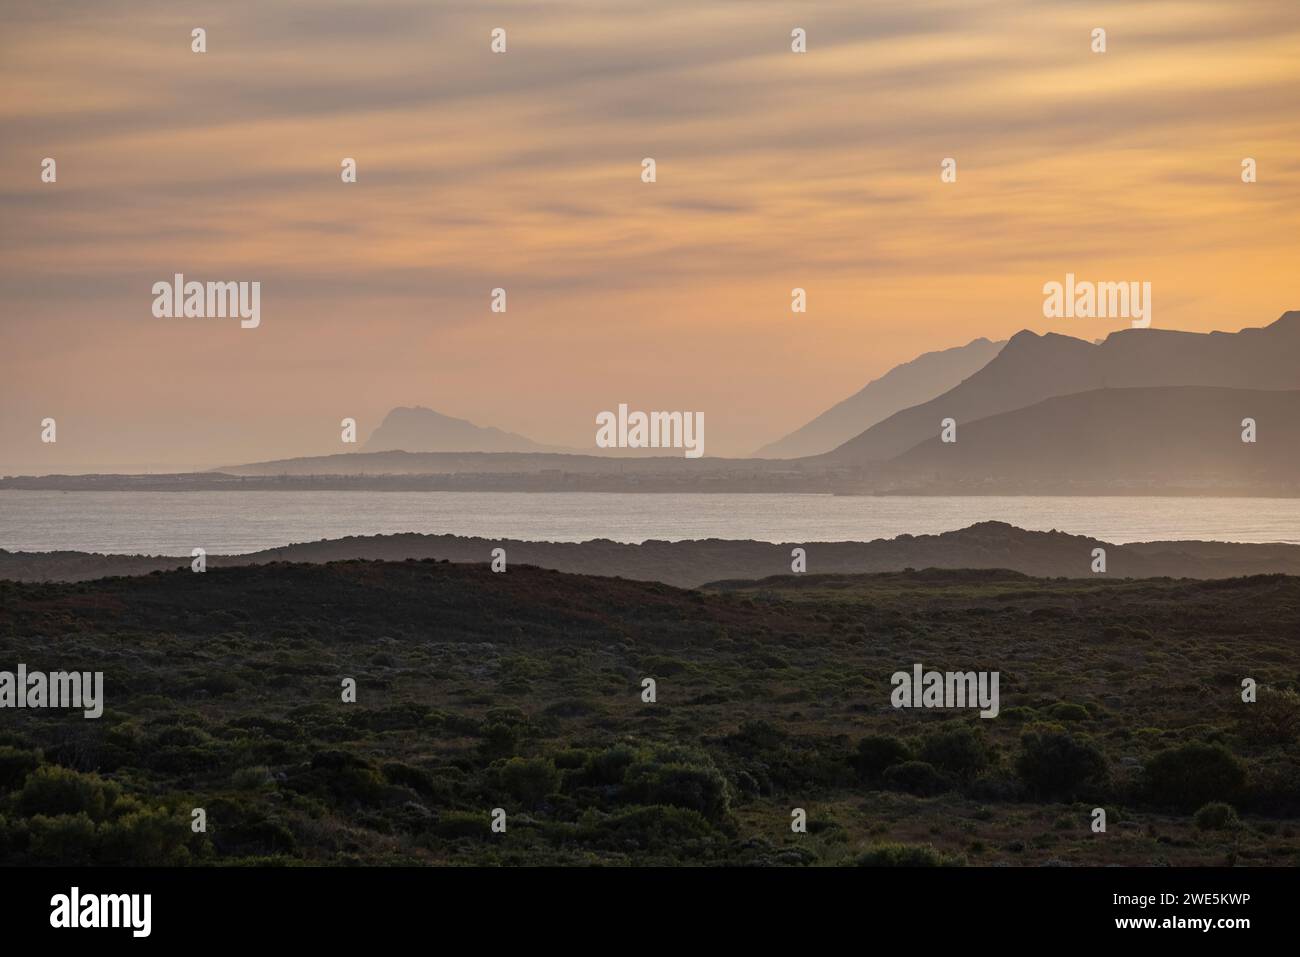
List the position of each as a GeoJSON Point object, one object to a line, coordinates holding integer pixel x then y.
{"type": "Point", "coordinates": [1134, 435]}
{"type": "Point", "coordinates": [1136, 413]}
{"type": "Point", "coordinates": [903, 386]}
{"type": "Point", "coordinates": [1031, 368]}
{"type": "Point", "coordinates": [419, 429]}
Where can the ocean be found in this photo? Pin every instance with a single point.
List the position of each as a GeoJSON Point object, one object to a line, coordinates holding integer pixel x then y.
{"type": "Point", "coordinates": [171, 523]}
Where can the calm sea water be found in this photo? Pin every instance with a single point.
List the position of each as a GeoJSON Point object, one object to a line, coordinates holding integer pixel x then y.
{"type": "Point", "coordinates": [171, 523]}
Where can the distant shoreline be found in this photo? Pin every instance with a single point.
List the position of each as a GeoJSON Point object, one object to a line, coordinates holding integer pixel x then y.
{"type": "Point", "coordinates": [692, 563]}
{"type": "Point", "coordinates": [741, 482]}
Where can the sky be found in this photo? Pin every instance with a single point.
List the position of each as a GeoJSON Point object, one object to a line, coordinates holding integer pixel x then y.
{"type": "Point", "coordinates": [478, 170]}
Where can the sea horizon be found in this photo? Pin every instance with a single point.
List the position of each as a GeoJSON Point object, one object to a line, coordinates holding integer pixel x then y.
{"type": "Point", "coordinates": [231, 523]}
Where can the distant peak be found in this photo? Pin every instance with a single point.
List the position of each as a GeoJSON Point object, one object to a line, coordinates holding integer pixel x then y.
{"type": "Point", "coordinates": [420, 412]}
{"type": "Point", "coordinates": [1028, 339]}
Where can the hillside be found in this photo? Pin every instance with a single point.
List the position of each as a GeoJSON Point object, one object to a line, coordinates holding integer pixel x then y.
{"type": "Point", "coordinates": [523, 691]}
{"type": "Point", "coordinates": [1031, 368]}
{"type": "Point", "coordinates": [693, 563]}
{"type": "Point", "coordinates": [911, 383]}
{"type": "Point", "coordinates": [1153, 437]}
{"type": "Point", "coordinates": [419, 429]}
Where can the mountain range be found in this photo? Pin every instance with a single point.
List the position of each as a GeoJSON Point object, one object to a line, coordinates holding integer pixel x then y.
{"type": "Point", "coordinates": [1139, 437]}
{"type": "Point", "coordinates": [1143, 411]}
{"type": "Point", "coordinates": [903, 386]}
{"type": "Point", "coordinates": [1031, 368]}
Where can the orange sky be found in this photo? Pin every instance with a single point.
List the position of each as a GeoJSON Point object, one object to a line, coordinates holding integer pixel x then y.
{"type": "Point", "coordinates": [522, 170]}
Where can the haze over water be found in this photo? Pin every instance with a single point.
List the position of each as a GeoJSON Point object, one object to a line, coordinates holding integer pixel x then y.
{"type": "Point", "coordinates": [171, 523]}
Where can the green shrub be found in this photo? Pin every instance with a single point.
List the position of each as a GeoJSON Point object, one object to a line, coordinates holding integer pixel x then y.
{"type": "Point", "coordinates": [907, 855]}
{"type": "Point", "coordinates": [14, 836]}
{"type": "Point", "coordinates": [878, 752]}
{"type": "Point", "coordinates": [915, 777]}
{"type": "Point", "coordinates": [254, 837]}
{"type": "Point", "coordinates": [697, 788]}
{"type": "Point", "coordinates": [345, 777]}
{"type": "Point", "coordinates": [572, 759]}
{"type": "Point", "coordinates": [499, 740]}
{"type": "Point", "coordinates": [147, 837]}
{"type": "Point", "coordinates": [1194, 774]}
{"type": "Point", "coordinates": [417, 779]}
{"type": "Point", "coordinates": [181, 760]}
{"type": "Point", "coordinates": [1275, 786]}
{"type": "Point", "coordinates": [1054, 764]}
{"type": "Point", "coordinates": [1273, 718]}
{"type": "Point", "coordinates": [648, 828]}
{"type": "Point", "coordinates": [1068, 711]}
{"type": "Point", "coordinates": [66, 839]}
{"type": "Point", "coordinates": [1216, 816]}
{"type": "Point", "coordinates": [15, 765]}
{"type": "Point", "coordinates": [529, 780]}
{"type": "Point", "coordinates": [754, 737]}
{"type": "Point", "coordinates": [51, 790]}
{"type": "Point", "coordinates": [960, 750]}
{"type": "Point", "coordinates": [610, 766]}
{"type": "Point", "coordinates": [250, 779]}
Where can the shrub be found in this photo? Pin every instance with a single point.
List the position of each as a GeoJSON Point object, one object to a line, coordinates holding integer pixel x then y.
{"type": "Point", "coordinates": [347, 778]}
{"type": "Point", "coordinates": [417, 779]}
{"type": "Point", "coordinates": [529, 780]}
{"type": "Point", "coordinates": [907, 855]}
{"type": "Point", "coordinates": [181, 760]}
{"type": "Point", "coordinates": [455, 824]}
{"type": "Point", "coordinates": [402, 717]}
{"type": "Point", "coordinates": [757, 736]}
{"type": "Point", "coordinates": [1194, 774]}
{"type": "Point", "coordinates": [610, 766]}
{"type": "Point", "coordinates": [254, 837]}
{"type": "Point", "coordinates": [13, 839]}
{"type": "Point", "coordinates": [1275, 787]}
{"type": "Point", "coordinates": [914, 777]}
{"type": "Point", "coordinates": [959, 750]}
{"type": "Point", "coordinates": [1216, 816]}
{"type": "Point", "coordinates": [15, 765]}
{"type": "Point", "coordinates": [499, 739]}
{"type": "Point", "coordinates": [1273, 718]}
{"type": "Point", "coordinates": [694, 787]}
{"type": "Point", "coordinates": [1053, 763]}
{"type": "Point", "coordinates": [879, 752]}
{"type": "Point", "coordinates": [251, 779]}
{"type": "Point", "coordinates": [53, 790]}
{"type": "Point", "coordinates": [572, 759]}
{"type": "Point", "coordinates": [146, 837]}
{"type": "Point", "coordinates": [65, 839]}
{"type": "Point", "coordinates": [646, 828]}
{"type": "Point", "coordinates": [1068, 711]}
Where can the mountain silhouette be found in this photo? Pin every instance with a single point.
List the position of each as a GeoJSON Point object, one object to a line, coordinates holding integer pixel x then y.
{"type": "Point", "coordinates": [911, 383]}
{"type": "Point", "coordinates": [1032, 367]}
{"type": "Point", "coordinates": [692, 563]}
{"type": "Point", "coordinates": [417, 429]}
{"type": "Point", "coordinates": [1172, 436]}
